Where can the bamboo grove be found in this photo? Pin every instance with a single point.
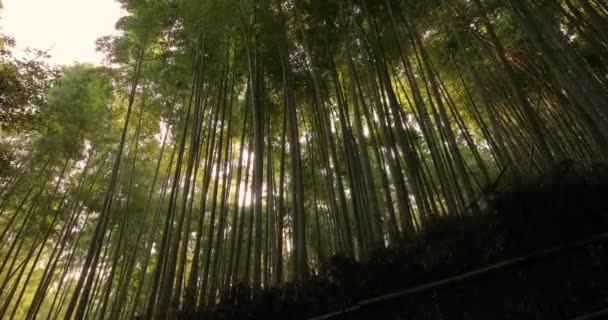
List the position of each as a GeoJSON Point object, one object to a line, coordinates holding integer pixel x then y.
{"type": "Point", "coordinates": [241, 142]}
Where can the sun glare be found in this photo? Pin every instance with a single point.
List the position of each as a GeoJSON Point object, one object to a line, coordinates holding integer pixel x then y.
{"type": "Point", "coordinates": [67, 28]}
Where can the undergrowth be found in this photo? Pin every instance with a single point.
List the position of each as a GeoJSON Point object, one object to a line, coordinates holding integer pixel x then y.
{"type": "Point", "coordinates": [518, 219]}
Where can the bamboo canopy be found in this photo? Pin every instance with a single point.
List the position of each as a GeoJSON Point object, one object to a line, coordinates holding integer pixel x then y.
{"type": "Point", "coordinates": [244, 142]}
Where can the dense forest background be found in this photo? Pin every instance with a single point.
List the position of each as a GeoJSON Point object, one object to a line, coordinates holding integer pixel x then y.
{"type": "Point", "coordinates": [245, 142]}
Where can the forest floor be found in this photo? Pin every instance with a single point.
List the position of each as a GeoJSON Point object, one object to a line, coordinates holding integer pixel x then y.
{"type": "Point", "coordinates": [540, 251]}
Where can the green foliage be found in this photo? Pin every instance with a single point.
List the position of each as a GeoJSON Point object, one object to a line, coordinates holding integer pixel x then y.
{"type": "Point", "coordinates": [23, 85]}
{"type": "Point", "coordinates": [77, 109]}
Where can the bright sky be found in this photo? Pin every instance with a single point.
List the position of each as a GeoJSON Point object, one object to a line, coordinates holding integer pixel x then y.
{"type": "Point", "coordinates": [70, 25]}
